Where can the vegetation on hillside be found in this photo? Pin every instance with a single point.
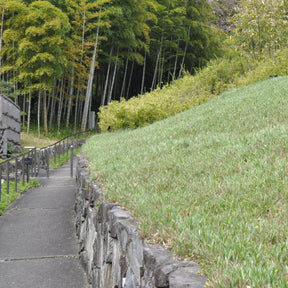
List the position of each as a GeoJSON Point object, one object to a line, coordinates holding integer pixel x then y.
{"type": "Point", "coordinates": [65, 57]}
{"type": "Point", "coordinates": [218, 76]}
{"type": "Point", "coordinates": [210, 183]}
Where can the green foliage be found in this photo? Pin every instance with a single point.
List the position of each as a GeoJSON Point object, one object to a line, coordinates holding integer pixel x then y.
{"type": "Point", "coordinates": [263, 69]}
{"type": "Point", "coordinates": [33, 43]}
{"type": "Point", "coordinates": [62, 159]}
{"type": "Point", "coordinates": [54, 134]}
{"type": "Point", "coordinates": [183, 94]}
{"type": "Point", "coordinates": [7, 88]}
{"type": "Point", "coordinates": [139, 111]}
{"type": "Point", "coordinates": [219, 75]}
{"type": "Point", "coordinates": [260, 26]}
{"type": "Point", "coordinates": [211, 183]}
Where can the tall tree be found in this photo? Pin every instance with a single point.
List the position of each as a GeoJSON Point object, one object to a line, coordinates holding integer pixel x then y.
{"type": "Point", "coordinates": [40, 29]}
{"type": "Point", "coordinates": [261, 25]}
{"type": "Point", "coordinates": [101, 21]}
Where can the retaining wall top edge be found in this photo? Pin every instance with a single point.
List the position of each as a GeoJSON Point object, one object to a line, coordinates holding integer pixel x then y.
{"type": "Point", "coordinates": [8, 99]}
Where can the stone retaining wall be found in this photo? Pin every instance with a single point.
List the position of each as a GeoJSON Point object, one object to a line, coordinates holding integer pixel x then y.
{"type": "Point", "coordinates": [10, 122]}
{"type": "Point", "coordinates": [111, 251]}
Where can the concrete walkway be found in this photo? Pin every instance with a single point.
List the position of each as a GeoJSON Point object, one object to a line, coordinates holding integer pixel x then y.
{"type": "Point", "coordinates": [38, 247]}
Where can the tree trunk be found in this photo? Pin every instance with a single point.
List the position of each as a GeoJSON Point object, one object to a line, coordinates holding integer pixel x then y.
{"type": "Point", "coordinates": [1, 35]}
{"type": "Point", "coordinates": [45, 113]}
{"type": "Point", "coordinates": [24, 110]}
{"type": "Point", "coordinates": [185, 51]}
{"type": "Point", "coordinates": [161, 70]}
{"type": "Point", "coordinates": [77, 114]}
{"type": "Point", "coordinates": [38, 112]}
{"type": "Point", "coordinates": [157, 63]}
{"type": "Point", "coordinates": [29, 114]}
{"type": "Point", "coordinates": [175, 63]}
{"type": "Point", "coordinates": [124, 77]}
{"type": "Point", "coordinates": [156, 68]}
{"type": "Point", "coordinates": [143, 75]}
{"type": "Point", "coordinates": [65, 103]}
{"type": "Point", "coordinates": [52, 110]}
{"type": "Point", "coordinates": [76, 110]}
{"type": "Point", "coordinates": [60, 106]}
{"type": "Point", "coordinates": [130, 80]}
{"type": "Point", "coordinates": [113, 79]}
{"type": "Point", "coordinates": [70, 98]}
{"type": "Point", "coordinates": [103, 98]}
{"type": "Point", "coordinates": [90, 79]}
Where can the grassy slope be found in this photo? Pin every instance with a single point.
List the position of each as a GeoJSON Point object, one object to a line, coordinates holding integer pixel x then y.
{"type": "Point", "coordinates": [210, 182]}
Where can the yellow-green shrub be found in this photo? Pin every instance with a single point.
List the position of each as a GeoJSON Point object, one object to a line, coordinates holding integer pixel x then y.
{"type": "Point", "coordinates": [217, 76]}
{"type": "Point", "coordinates": [261, 70]}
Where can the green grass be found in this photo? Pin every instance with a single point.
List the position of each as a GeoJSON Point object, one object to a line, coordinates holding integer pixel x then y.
{"type": "Point", "coordinates": [62, 159]}
{"type": "Point", "coordinates": [7, 199]}
{"type": "Point", "coordinates": [210, 183]}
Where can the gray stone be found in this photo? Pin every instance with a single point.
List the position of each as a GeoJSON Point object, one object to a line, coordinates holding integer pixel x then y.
{"type": "Point", "coordinates": [98, 257]}
{"type": "Point", "coordinates": [96, 195]}
{"type": "Point", "coordinates": [154, 256]}
{"type": "Point", "coordinates": [163, 271]}
{"type": "Point", "coordinates": [115, 215]}
{"type": "Point", "coordinates": [129, 283]}
{"type": "Point", "coordinates": [10, 120]}
{"type": "Point", "coordinates": [186, 278]}
{"type": "Point", "coordinates": [116, 268]}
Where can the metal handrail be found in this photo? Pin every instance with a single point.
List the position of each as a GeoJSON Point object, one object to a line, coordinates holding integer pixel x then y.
{"type": "Point", "coordinates": [17, 160]}
{"type": "Point", "coordinates": [32, 161]}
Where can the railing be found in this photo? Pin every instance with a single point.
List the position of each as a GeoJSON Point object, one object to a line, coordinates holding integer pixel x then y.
{"type": "Point", "coordinates": [35, 161]}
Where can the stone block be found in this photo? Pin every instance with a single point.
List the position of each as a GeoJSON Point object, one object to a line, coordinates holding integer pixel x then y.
{"type": "Point", "coordinates": [130, 281]}
{"type": "Point", "coordinates": [163, 271]}
{"type": "Point", "coordinates": [10, 118]}
{"type": "Point", "coordinates": [96, 195]}
{"type": "Point", "coordinates": [116, 268]}
{"type": "Point", "coordinates": [91, 236]}
{"type": "Point", "coordinates": [186, 277]}
{"type": "Point", "coordinates": [155, 255]}
{"type": "Point", "coordinates": [116, 214]}
{"type": "Point", "coordinates": [107, 276]}
{"type": "Point", "coordinates": [103, 215]}
{"type": "Point", "coordinates": [98, 258]}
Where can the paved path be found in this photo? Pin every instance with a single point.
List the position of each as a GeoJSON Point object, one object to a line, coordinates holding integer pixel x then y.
{"type": "Point", "coordinates": [38, 247]}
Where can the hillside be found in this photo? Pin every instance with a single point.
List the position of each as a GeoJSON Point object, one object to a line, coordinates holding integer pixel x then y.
{"type": "Point", "coordinates": [211, 183]}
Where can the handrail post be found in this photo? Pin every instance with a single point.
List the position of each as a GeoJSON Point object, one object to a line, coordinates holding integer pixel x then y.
{"type": "Point", "coordinates": [23, 170]}
{"type": "Point", "coordinates": [27, 167]}
{"type": "Point", "coordinates": [38, 161]}
{"type": "Point", "coordinates": [0, 181]}
{"type": "Point", "coordinates": [48, 160]}
{"type": "Point", "coordinates": [55, 154]}
{"type": "Point", "coordinates": [16, 175]}
{"type": "Point", "coordinates": [59, 150]}
{"type": "Point", "coordinates": [7, 176]}
{"type": "Point", "coordinates": [67, 146]}
{"type": "Point", "coordinates": [71, 160]}
{"type": "Point", "coordinates": [34, 162]}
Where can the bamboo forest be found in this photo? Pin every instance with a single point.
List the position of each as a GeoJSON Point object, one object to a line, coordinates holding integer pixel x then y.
{"type": "Point", "coordinates": [62, 59]}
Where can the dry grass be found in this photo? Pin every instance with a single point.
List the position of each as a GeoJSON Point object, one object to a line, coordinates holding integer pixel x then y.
{"type": "Point", "coordinates": [31, 140]}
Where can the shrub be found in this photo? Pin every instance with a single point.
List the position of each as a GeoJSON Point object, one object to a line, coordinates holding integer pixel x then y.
{"type": "Point", "coordinates": [219, 75]}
